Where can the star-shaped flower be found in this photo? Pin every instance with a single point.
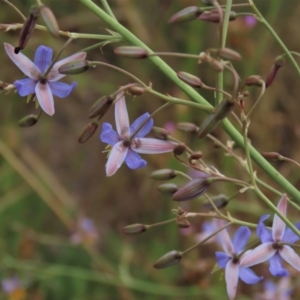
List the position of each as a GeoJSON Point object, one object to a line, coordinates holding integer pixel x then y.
{"type": "Point", "coordinates": [124, 146]}
{"type": "Point", "coordinates": [230, 260]}
{"type": "Point", "coordinates": [272, 248]}
{"type": "Point", "coordinates": [44, 86]}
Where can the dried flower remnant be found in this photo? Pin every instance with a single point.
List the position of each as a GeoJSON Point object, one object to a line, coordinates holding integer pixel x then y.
{"type": "Point", "coordinates": [36, 82]}
{"type": "Point", "coordinates": [126, 148]}
{"type": "Point", "coordinates": [279, 62]}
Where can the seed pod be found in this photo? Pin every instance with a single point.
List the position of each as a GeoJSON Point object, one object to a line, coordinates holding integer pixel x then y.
{"type": "Point", "coordinates": [213, 16]}
{"type": "Point", "coordinates": [183, 223]}
{"type": "Point", "coordinates": [190, 79]}
{"type": "Point", "coordinates": [169, 259]}
{"type": "Point", "coordinates": [28, 28]}
{"type": "Point", "coordinates": [136, 90]}
{"type": "Point", "coordinates": [131, 52]}
{"type": "Point", "coordinates": [187, 14]}
{"type": "Point", "coordinates": [87, 132]}
{"type": "Point", "coordinates": [74, 67]}
{"type": "Point", "coordinates": [135, 229]}
{"type": "Point", "coordinates": [188, 127]}
{"type": "Point", "coordinates": [254, 80]}
{"type": "Point", "coordinates": [168, 188]}
{"type": "Point", "coordinates": [163, 174]}
{"type": "Point", "coordinates": [223, 109]}
{"type": "Point", "coordinates": [229, 54]}
{"type": "Point", "coordinates": [272, 156]}
{"type": "Point", "coordinates": [195, 156]}
{"type": "Point", "coordinates": [49, 20]}
{"type": "Point", "coordinates": [179, 149]}
{"type": "Point", "coordinates": [219, 201]}
{"type": "Point", "coordinates": [160, 133]}
{"type": "Point", "coordinates": [100, 108]}
{"type": "Point", "coordinates": [28, 121]}
{"type": "Point", "coordinates": [209, 124]}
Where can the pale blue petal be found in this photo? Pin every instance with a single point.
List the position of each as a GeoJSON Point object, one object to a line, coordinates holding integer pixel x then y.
{"type": "Point", "coordinates": [290, 256]}
{"type": "Point", "coordinates": [116, 158]}
{"type": "Point", "coordinates": [278, 227]}
{"type": "Point", "coordinates": [240, 239]}
{"type": "Point", "coordinates": [108, 135]}
{"type": "Point", "coordinates": [25, 86]}
{"type": "Point", "coordinates": [231, 277]}
{"type": "Point", "coordinates": [248, 276]}
{"type": "Point", "coordinates": [289, 235]}
{"type": "Point", "coordinates": [45, 97]}
{"type": "Point", "coordinates": [61, 89]}
{"type": "Point", "coordinates": [263, 232]}
{"type": "Point", "coordinates": [152, 146]}
{"type": "Point", "coordinates": [222, 259]}
{"type": "Point", "coordinates": [43, 58]}
{"type": "Point", "coordinates": [134, 161]}
{"type": "Point", "coordinates": [276, 268]}
{"type": "Point", "coordinates": [138, 122]}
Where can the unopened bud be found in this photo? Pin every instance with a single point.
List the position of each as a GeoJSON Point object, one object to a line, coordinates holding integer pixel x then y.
{"type": "Point", "coordinates": [279, 61]}
{"type": "Point", "coordinates": [229, 54]}
{"type": "Point", "coordinates": [87, 132]}
{"type": "Point", "coordinates": [136, 90]}
{"type": "Point", "coordinates": [74, 67]}
{"type": "Point", "coordinates": [183, 223]}
{"type": "Point", "coordinates": [209, 124]}
{"type": "Point", "coordinates": [196, 155]}
{"type": "Point", "coordinates": [28, 121]}
{"type": "Point", "coordinates": [100, 108]}
{"type": "Point", "coordinates": [272, 156]}
{"type": "Point", "coordinates": [131, 52]}
{"type": "Point", "coordinates": [135, 229]}
{"type": "Point", "coordinates": [28, 28]}
{"type": "Point", "coordinates": [215, 65]}
{"type": "Point", "coordinates": [253, 80]}
{"type": "Point", "coordinates": [188, 127]}
{"type": "Point", "coordinates": [214, 17]}
{"type": "Point", "coordinates": [179, 149]}
{"type": "Point", "coordinates": [163, 174]}
{"type": "Point", "coordinates": [223, 109]}
{"type": "Point", "coordinates": [219, 201]}
{"type": "Point", "coordinates": [169, 259]}
{"type": "Point", "coordinates": [187, 14]}
{"type": "Point", "coordinates": [160, 133]}
{"type": "Point", "coordinates": [192, 189]}
{"type": "Point", "coordinates": [168, 188]}
{"type": "Point", "coordinates": [49, 20]}
{"type": "Point", "coordinates": [190, 79]}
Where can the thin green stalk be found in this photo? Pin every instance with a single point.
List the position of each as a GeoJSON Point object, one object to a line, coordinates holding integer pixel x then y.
{"type": "Point", "coordinates": [108, 9]}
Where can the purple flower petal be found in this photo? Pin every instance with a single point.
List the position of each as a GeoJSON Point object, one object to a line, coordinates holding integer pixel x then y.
{"type": "Point", "coordinates": [22, 62]}
{"type": "Point", "coordinates": [225, 239]}
{"type": "Point", "coordinates": [108, 135]}
{"type": "Point", "coordinates": [290, 256]}
{"type": "Point", "coordinates": [134, 161]}
{"type": "Point", "coordinates": [222, 259]}
{"type": "Point", "coordinates": [276, 268]}
{"type": "Point", "coordinates": [45, 97]}
{"type": "Point", "coordinates": [138, 122]}
{"type": "Point", "coordinates": [121, 116]}
{"type": "Point", "coordinates": [43, 58]}
{"type": "Point", "coordinates": [290, 236]}
{"type": "Point", "coordinates": [240, 239]}
{"type": "Point", "coordinates": [152, 146]}
{"type": "Point", "coordinates": [278, 227]}
{"type": "Point", "coordinates": [61, 89]}
{"type": "Point", "coordinates": [263, 232]}
{"type": "Point", "coordinates": [25, 86]}
{"type": "Point", "coordinates": [116, 158]}
{"type": "Point", "coordinates": [54, 75]}
{"type": "Point", "coordinates": [248, 276]}
{"type": "Point", "coordinates": [231, 277]}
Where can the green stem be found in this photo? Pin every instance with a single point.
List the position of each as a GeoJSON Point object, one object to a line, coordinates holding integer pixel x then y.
{"type": "Point", "coordinates": [108, 9]}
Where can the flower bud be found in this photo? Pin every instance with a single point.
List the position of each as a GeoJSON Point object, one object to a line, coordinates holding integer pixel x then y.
{"type": "Point", "coordinates": [163, 174]}
{"type": "Point", "coordinates": [215, 64]}
{"type": "Point", "coordinates": [74, 67]}
{"type": "Point", "coordinates": [229, 54]}
{"type": "Point", "coordinates": [207, 126]}
{"type": "Point", "coordinates": [271, 156]}
{"type": "Point", "coordinates": [168, 188]}
{"type": "Point", "coordinates": [28, 28]}
{"type": "Point", "coordinates": [100, 108]}
{"type": "Point", "coordinates": [49, 20]}
{"type": "Point", "coordinates": [179, 149]}
{"type": "Point", "coordinates": [195, 156]}
{"type": "Point", "coordinates": [136, 90]}
{"type": "Point", "coordinates": [187, 14]}
{"type": "Point", "coordinates": [160, 133]}
{"type": "Point", "coordinates": [279, 61]}
{"type": "Point", "coordinates": [254, 80]}
{"type": "Point", "coordinates": [28, 121]}
{"type": "Point", "coordinates": [188, 127]}
{"type": "Point", "coordinates": [190, 79]}
{"type": "Point", "coordinates": [183, 223]}
{"type": "Point", "coordinates": [87, 132]}
{"type": "Point", "coordinates": [223, 109]}
{"type": "Point", "coordinates": [213, 16]}
{"type": "Point", "coordinates": [135, 229]}
{"type": "Point", "coordinates": [194, 188]}
{"type": "Point", "coordinates": [169, 259]}
{"type": "Point", "coordinates": [219, 201]}
{"type": "Point", "coordinates": [131, 52]}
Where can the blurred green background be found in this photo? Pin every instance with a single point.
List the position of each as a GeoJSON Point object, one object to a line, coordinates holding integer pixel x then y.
{"type": "Point", "coordinates": [50, 182]}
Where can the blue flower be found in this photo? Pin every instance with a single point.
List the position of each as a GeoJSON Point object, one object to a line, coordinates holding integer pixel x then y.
{"type": "Point", "coordinates": [272, 248]}
{"type": "Point", "coordinates": [36, 82]}
{"type": "Point", "coordinates": [230, 260]}
{"type": "Point", "coordinates": [124, 147]}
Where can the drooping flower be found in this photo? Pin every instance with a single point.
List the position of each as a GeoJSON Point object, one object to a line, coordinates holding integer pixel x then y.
{"type": "Point", "coordinates": [230, 260]}
{"type": "Point", "coordinates": [126, 148]}
{"type": "Point", "coordinates": [44, 86]}
{"type": "Point", "coordinates": [272, 248]}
